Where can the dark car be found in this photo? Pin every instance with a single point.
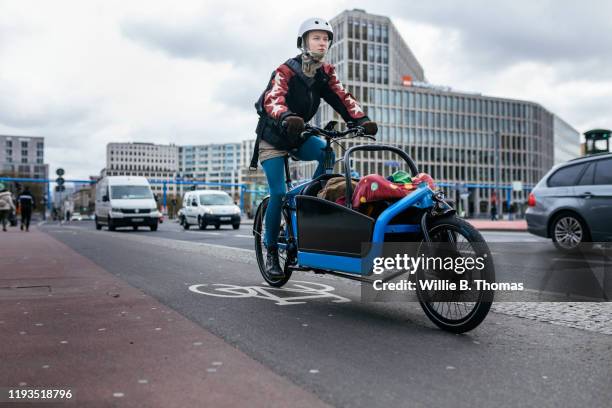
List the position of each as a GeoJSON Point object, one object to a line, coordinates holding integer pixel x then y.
{"type": "Point", "coordinates": [572, 204]}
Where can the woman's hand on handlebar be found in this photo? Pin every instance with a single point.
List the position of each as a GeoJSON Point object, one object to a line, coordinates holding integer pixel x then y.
{"type": "Point", "coordinates": [370, 128]}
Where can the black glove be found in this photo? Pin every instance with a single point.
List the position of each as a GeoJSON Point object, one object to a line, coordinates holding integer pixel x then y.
{"type": "Point", "coordinates": [294, 126]}
{"type": "Point", "coordinates": [371, 128]}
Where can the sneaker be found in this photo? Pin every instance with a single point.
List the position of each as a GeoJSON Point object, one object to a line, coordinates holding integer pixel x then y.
{"type": "Point", "coordinates": [273, 268]}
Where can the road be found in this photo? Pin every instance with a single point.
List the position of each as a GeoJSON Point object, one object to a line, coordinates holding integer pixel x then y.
{"type": "Point", "coordinates": [346, 352]}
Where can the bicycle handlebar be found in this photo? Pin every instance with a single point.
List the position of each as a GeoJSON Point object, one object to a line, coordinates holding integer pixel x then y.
{"type": "Point", "coordinates": [334, 134]}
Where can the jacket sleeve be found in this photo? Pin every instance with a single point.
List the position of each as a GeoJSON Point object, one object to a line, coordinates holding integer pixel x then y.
{"type": "Point", "coordinates": [275, 103]}
{"type": "Point", "coordinates": [340, 100]}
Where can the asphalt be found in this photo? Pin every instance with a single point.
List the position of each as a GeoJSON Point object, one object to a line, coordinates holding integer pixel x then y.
{"type": "Point", "coordinates": [335, 348]}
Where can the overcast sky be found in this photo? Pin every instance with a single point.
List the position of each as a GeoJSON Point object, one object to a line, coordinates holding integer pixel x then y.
{"type": "Point", "coordinates": [85, 73]}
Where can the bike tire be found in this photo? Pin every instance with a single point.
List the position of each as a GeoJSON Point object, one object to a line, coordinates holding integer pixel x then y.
{"type": "Point", "coordinates": [260, 248]}
{"type": "Point", "coordinates": [482, 304]}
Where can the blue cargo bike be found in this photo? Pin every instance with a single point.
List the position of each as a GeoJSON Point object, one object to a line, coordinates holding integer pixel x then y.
{"type": "Point", "coordinates": [324, 237]}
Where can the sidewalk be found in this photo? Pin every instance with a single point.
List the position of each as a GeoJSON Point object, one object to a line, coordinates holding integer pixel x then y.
{"type": "Point", "coordinates": [66, 323]}
{"type": "Point", "coordinates": [501, 225]}
{"type": "Point", "coordinates": [480, 224]}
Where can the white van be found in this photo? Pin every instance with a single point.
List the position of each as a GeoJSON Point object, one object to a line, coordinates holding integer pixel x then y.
{"type": "Point", "coordinates": [209, 207]}
{"type": "Point", "coordinates": [125, 201]}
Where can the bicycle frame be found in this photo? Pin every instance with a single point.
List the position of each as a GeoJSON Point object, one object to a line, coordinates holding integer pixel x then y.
{"type": "Point", "coordinates": [357, 266]}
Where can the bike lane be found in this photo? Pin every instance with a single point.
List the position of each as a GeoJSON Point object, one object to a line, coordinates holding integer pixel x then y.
{"type": "Point", "coordinates": [67, 323]}
{"type": "Point", "coordinates": [354, 353]}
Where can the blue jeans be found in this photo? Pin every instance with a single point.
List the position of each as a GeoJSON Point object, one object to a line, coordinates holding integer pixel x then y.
{"type": "Point", "coordinates": [312, 149]}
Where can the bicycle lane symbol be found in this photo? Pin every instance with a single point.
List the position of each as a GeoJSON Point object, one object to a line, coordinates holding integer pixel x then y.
{"type": "Point", "coordinates": [303, 290]}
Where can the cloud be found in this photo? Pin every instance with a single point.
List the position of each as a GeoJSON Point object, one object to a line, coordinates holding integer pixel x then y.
{"type": "Point", "coordinates": [83, 74]}
{"type": "Point", "coordinates": [498, 34]}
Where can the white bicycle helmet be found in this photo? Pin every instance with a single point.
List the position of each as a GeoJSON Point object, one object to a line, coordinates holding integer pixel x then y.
{"type": "Point", "coordinates": [311, 24]}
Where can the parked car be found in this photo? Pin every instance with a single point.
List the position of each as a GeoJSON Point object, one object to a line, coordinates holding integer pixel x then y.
{"type": "Point", "coordinates": [76, 217]}
{"type": "Point", "coordinates": [572, 204]}
{"type": "Point", "coordinates": [209, 207]}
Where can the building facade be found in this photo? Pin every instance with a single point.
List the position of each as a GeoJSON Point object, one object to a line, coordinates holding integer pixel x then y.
{"type": "Point", "coordinates": [566, 141]}
{"type": "Point", "coordinates": [212, 163]}
{"type": "Point", "coordinates": [457, 137]}
{"type": "Point", "coordinates": [158, 163]}
{"type": "Point", "coordinates": [23, 156]}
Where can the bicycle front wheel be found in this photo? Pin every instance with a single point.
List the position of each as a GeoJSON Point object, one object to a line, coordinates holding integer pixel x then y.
{"type": "Point", "coordinates": [458, 310]}
{"type": "Point", "coordinates": [261, 252]}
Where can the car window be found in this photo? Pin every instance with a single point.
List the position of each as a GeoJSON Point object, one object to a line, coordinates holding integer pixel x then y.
{"type": "Point", "coordinates": [603, 172]}
{"type": "Point", "coordinates": [130, 192]}
{"type": "Point", "coordinates": [587, 177]}
{"type": "Point", "coordinates": [215, 199]}
{"type": "Point", "coordinates": [566, 176]}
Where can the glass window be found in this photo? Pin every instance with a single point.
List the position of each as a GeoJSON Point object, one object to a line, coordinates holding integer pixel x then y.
{"type": "Point", "coordinates": [365, 72]}
{"type": "Point", "coordinates": [385, 97]}
{"type": "Point", "coordinates": [378, 74]}
{"type": "Point", "coordinates": [356, 29]}
{"type": "Point", "coordinates": [371, 53]}
{"type": "Point", "coordinates": [587, 177]}
{"type": "Point", "coordinates": [370, 32]}
{"type": "Point", "coordinates": [378, 99]}
{"type": "Point", "coordinates": [215, 199]}
{"type": "Point", "coordinates": [350, 49]}
{"type": "Point", "coordinates": [386, 75]}
{"type": "Point", "coordinates": [603, 172]}
{"type": "Point", "coordinates": [565, 176]}
{"type": "Point", "coordinates": [378, 54]}
{"type": "Point", "coordinates": [350, 71]}
{"type": "Point", "coordinates": [385, 34]}
{"type": "Point", "coordinates": [357, 51]}
{"type": "Point", "coordinates": [377, 32]}
{"type": "Point", "coordinates": [371, 77]}
{"type": "Point", "coordinates": [385, 54]}
{"type": "Point", "coordinates": [398, 98]}
{"type": "Point", "coordinates": [130, 192]}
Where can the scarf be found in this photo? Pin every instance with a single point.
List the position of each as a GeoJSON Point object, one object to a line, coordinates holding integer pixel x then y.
{"type": "Point", "coordinates": [311, 61]}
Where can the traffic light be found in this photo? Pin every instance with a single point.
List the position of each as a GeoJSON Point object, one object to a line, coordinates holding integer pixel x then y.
{"type": "Point", "coordinates": [59, 181]}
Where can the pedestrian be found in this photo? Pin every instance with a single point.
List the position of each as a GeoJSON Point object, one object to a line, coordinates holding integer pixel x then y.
{"type": "Point", "coordinates": [6, 205]}
{"type": "Point", "coordinates": [292, 98]}
{"type": "Point", "coordinates": [26, 206]}
{"type": "Point", "coordinates": [493, 212]}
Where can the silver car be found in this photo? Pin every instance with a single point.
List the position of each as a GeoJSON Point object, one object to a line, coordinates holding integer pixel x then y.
{"type": "Point", "coordinates": [572, 204]}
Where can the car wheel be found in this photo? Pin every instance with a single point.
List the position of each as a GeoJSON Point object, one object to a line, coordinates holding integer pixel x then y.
{"type": "Point", "coordinates": [236, 226]}
{"type": "Point", "coordinates": [135, 228]}
{"type": "Point", "coordinates": [569, 232]}
{"type": "Point", "coordinates": [98, 226]}
{"type": "Point", "coordinates": [111, 225]}
{"type": "Point", "coordinates": [153, 227]}
{"type": "Point", "coordinates": [217, 226]}
{"type": "Point", "coordinates": [184, 223]}
{"type": "Point", "coordinates": [201, 223]}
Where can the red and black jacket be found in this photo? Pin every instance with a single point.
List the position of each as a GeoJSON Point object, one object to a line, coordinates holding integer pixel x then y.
{"type": "Point", "coordinates": [291, 93]}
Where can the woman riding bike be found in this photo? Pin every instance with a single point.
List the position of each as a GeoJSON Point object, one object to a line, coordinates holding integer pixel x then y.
{"type": "Point", "coordinates": [291, 99]}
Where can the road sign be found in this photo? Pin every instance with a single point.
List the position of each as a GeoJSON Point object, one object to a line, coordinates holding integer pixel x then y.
{"type": "Point", "coordinates": [517, 186]}
{"type": "Point", "coordinates": [59, 172]}
{"type": "Point", "coordinates": [59, 181]}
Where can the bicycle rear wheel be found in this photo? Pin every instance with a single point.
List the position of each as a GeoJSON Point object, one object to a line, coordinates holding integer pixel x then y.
{"type": "Point", "coordinates": [261, 252]}
{"type": "Point", "coordinates": [457, 311]}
